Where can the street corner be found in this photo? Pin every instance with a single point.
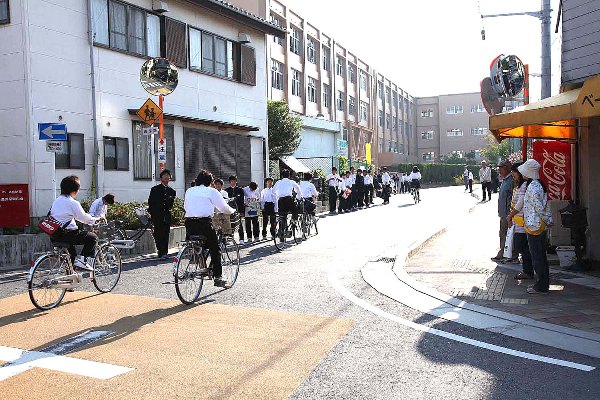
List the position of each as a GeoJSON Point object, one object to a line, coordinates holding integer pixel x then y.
{"type": "Point", "coordinates": [141, 347]}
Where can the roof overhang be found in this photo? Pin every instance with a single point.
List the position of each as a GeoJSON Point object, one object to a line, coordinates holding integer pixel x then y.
{"type": "Point", "coordinates": [242, 16]}
{"type": "Point", "coordinates": [295, 165]}
{"type": "Point", "coordinates": [220, 124]}
{"type": "Point", "coordinates": [551, 118]}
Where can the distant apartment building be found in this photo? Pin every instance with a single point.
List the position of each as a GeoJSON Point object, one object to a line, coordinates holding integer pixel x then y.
{"type": "Point", "coordinates": [54, 71]}
{"type": "Point", "coordinates": [323, 80]}
{"type": "Point", "coordinates": [451, 124]}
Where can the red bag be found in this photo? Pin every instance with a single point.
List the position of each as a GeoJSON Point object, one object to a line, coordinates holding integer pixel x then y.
{"type": "Point", "coordinates": [50, 226]}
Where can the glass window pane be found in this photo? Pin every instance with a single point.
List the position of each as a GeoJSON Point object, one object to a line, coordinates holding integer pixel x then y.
{"type": "Point", "coordinates": [76, 151]}
{"type": "Point", "coordinates": [195, 48]}
{"type": "Point", "coordinates": [230, 63]}
{"type": "Point", "coordinates": [110, 154]}
{"type": "Point", "coordinates": [122, 154]}
{"type": "Point", "coordinates": [118, 26]}
{"type": "Point", "coordinates": [220, 57]}
{"type": "Point", "coordinates": [142, 163]}
{"type": "Point", "coordinates": [153, 31]}
{"type": "Point", "coordinates": [207, 53]}
{"type": "Point", "coordinates": [61, 158]}
{"type": "Point", "coordinates": [99, 20]}
{"type": "Point", "coordinates": [137, 31]}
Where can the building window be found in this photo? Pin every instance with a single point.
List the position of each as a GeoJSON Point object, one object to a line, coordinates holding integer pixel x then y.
{"type": "Point", "coordinates": [429, 156]}
{"type": "Point", "coordinates": [457, 154]}
{"type": "Point", "coordinates": [212, 54]}
{"type": "Point", "coordinates": [275, 20]}
{"type": "Point", "coordinates": [388, 121]}
{"type": "Point", "coordinates": [363, 111]}
{"type": "Point", "coordinates": [340, 66]}
{"type": "Point", "coordinates": [125, 27]}
{"type": "Point", "coordinates": [341, 101]}
{"type": "Point", "coordinates": [479, 131]}
{"type": "Point", "coordinates": [380, 118]}
{"type": "Point", "coordinates": [4, 12]}
{"type": "Point", "coordinates": [394, 123]}
{"type": "Point", "coordinates": [142, 152]}
{"type": "Point", "coordinates": [477, 153]}
{"type": "Point", "coordinates": [477, 108]}
{"type": "Point", "coordinates": [345, 134]}
{"type": "Point", "coordinates": [427, 113]}
{"type": "Point", "coordinates": [296, 83]}
{"type": "Point", "coordinates": [295, 42]}
{"type": "Point", "coordinates": [73, 154]}
{"type": "Point", "coordinates": [352, 73]}
{"type": "Point", "coordinates": [277, 75]}
{"type": "Point", "coordinates": [454, 110]}
{"type": "Point", "coordinates": [311, 53]}
{"type": "Point", "coordinates": [380, 90]}
{"type": "Point", "coordinates": [326, 58]}
{"type": "Point", "coordinates": [427, 135]}
{"type": "Point", "coordinates": [363, 80]}
{"type": "Point", "coordinates": [454, 132]}
{"type": "Point", "coordinates": [388, 94]}
{"type": "Point", "coordinates": [312, 90]}
{"type": "Point", "coordinates": [394, 97]}
{"type": "Point", "coordinates": [326, 96]}
{"type": "Point", "coordinates": [351, 105]}
{"type": "Point", "coordinates": [116, 154]}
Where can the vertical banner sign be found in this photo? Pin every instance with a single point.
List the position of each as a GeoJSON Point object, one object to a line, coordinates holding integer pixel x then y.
{"type": "Point", "coordinates": [555, 159]}
{"type": "Point", "coordinates": [368, 152]}
{"type": "Point", "coordinates": [14, 206]}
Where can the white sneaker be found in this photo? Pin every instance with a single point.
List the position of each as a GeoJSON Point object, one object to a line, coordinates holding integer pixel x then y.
{"type": "Point", "coordinates": [242, 241]}
{"type": "Point", "coordinates": [83, 263]}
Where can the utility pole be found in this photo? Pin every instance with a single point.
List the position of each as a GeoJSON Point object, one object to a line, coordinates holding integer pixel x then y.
{"type": "Point", "coordinates": [544, 15]}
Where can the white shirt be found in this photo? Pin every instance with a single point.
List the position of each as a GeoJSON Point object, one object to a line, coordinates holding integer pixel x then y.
{"type": "Point", "coordinates": [308, 189]}
{"type": "Point", "coordinates": [201, 201]}
{"type": "Point", "coordinates": [385, 178]}
{"type": "Point", "coordinates": [353, 178]}
{"type": "Point", "coordinates": [414, 175]}
{"type": "Point", "coordinates": [98, 208]}
{"type": "Point", "coordinates": [368, 180]}
{"type": "Point", "coordinates": [470, 176]}
{"type": "Point", "coordinates": [284, 187]}
{"type": "Point", "coordinates": [66, 209]}
{"type": "Point", "coordinates": [333, 180]}
{"type": "Point", "coordinates": [485, 174]}
{"type": "Point", "coordinates": [268, 195]}
{"type": "Point", "coordinates": [224, 194]}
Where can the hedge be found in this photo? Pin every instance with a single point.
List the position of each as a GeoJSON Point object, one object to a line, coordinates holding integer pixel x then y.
{"type": "Point", "coordinates": [438, 173]}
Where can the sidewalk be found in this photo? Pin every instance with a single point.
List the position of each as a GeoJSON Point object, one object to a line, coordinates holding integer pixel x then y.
{"type": "Point", "coordinates": [457, 263]}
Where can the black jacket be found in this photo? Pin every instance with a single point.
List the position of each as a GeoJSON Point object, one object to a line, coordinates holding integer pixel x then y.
{"type": "Point", "coordinates": [236, 193]}
{"type": "Point", "coordinates": [160, 202]}
{"type": "Point", "coordinates": [360, 181]}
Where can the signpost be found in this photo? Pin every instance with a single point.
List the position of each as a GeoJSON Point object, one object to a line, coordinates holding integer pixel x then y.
{"type": "Point", "coordinates": [149, 112]}
{"type": "Point", "coordinates": [54, 135]}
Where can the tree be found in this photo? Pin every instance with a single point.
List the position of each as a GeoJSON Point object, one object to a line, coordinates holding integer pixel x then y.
{"type": "Point", "coordinates": [454, 158]}
{"type": "Point", "coordinates": [495, 152]}
{"type": "Point", "coordinates": [284, 130]}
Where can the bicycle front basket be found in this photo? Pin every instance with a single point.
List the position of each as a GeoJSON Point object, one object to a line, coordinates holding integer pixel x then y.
{"type": "Point", "coordinates": [142, 215]}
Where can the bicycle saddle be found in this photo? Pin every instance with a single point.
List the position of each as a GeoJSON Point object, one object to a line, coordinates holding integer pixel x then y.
{"type": "Point", "coordinates": [61, 245]}
{"type": "Point", "coordinates": [198, 238]}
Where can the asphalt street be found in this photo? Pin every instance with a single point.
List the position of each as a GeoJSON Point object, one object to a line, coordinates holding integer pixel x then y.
{"type": "Point", "coordinates": [377, 358]}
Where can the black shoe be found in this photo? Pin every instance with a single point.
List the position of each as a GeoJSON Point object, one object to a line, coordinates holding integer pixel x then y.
{"type": "Point", "coordinates": [219, 282]}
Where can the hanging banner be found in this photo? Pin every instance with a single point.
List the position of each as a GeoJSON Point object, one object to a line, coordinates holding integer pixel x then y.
{"type": "Point", "coordinates": [555, 159]}
{"type": "Point", "coordinates": [368, 152]}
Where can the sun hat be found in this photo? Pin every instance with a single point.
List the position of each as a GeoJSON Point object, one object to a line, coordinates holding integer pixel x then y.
{"type": "Point", "coordinates": [530, 169]}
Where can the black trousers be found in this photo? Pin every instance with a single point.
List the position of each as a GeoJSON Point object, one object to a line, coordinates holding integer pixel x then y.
{"type": "Point", "coordinates": [203, 226]}
{"type": "Point", "coordinates": [537, 249]}
{"type": "Point", "coordinates": [521, 246]}
{"type": "Point", "coordinates": [345, 204]}
{"type": "Point", "coordinates": [486, 186]}
{"type": "Point", "coordinates": [87, 239]}
{"type": "Point", "coordinates": [332, 198]}
{"type": "Point", "coordinates": [287, 205]}
{"type": "Point", "coordinates": [161, 235]}
{"type": "Point", "coordinates": [470, 185]}
{"type": "Point", "coordinates": [268, 218]}
{"type": "Point", "coordinates": [386, 193]}
{"type": "Point", "coordinates": [360, 195]}
{"type": "Point", "coordinates": [252, 222]}
{"type": "Point", "coordinates": [368, 195]}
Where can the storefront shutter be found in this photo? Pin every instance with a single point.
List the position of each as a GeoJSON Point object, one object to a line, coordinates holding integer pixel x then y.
{"type": "Point", "coordinates": [193, 154]}
{"type": "Point", "coordinates": [243, 160]}
{"type": "Point", "coordinates": [228, 161]}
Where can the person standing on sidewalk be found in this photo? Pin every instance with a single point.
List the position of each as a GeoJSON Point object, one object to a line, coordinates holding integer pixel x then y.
{"type": "Point", "coordinates": [466, 177]}
{"type": "Point", "coordinates": [485, 177]}
{"type": "Point", "coordinates": [504, 202]}
{"type": "Point", "coordinates": [368, 188]}
{"type": "Point", "coordinates": [160, 202]}
{"type": "Point", "coordinates": [537, 219]}
{"type": "Point", "coordinates": [333, 181]}
{"type": "Point", "coordinates": [268, 200]}
{"type": "Point", "coordinates": [470, 182]}
{"type": "Point", "coordinates": [516, 217]}
{"type": "Point", "coordinates": [237, 193]}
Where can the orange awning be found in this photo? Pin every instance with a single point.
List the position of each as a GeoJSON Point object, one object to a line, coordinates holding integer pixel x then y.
{"type": "Point", "coordinates": [551, 118]}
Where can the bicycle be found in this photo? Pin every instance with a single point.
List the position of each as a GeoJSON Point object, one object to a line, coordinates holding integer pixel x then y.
{"type": "Point", "coordinates": [415, 195]}
{"type": "Point", "coordinates": [307, 222]}
{"type": "Point", "coordinates": [230, 249]}
{"type": "Point", "coordinates": [52, 273]}
{"type": "Point", "coordinates": [286, 228]}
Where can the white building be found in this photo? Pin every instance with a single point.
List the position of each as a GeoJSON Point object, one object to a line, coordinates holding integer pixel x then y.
{"type": "Point", "coordinates": [215, 119]}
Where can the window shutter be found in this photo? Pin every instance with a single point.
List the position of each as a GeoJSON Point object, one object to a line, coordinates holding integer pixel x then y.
{"type": "Point", "coordinates": [193, 154]}
{"type": "Point", "coordinates": [176, 43]}
{"type": "Point", "coordinates": [212, 154]}
{"type": "Point", "coordinates": [248, 70]}
{"type": "Point", "coordinates": [243, 160]}
{"type": "Point", "coordinates": [228, 161]}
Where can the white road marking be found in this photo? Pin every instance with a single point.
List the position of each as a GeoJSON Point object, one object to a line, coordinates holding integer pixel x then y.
{"type": "Point", "coordinates": [23, 360]}
{"type": "Point", "coordinates": [337, 285]}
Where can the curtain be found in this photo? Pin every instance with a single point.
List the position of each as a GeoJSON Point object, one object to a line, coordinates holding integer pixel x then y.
{"type": "Point", "coordinates": [137, 31]}
{"type": "Point", "coordinates": [118, 26]}
{"type": "Point", "coordinates": [195, 48]}
{"type": "Point", "coordinates": [153, 31]}
{"type": "Point", "coordinates": [141, 153]}
{"type": "Point", "coordinates": [207, 53]}
{"type": "Point", "coordinates": [99, 21]}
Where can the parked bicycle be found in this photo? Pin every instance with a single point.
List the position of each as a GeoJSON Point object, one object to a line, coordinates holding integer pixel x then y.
{"type": "Point", "coordinates": [308, 223]}
{"type": "Point", "coordinates": [287, 231]}
{"type": "Point", "coordinates": [52, 273]}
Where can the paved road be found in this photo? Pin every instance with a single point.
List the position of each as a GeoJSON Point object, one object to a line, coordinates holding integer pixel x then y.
{"type": "Point", "coordinates": [359, 354]}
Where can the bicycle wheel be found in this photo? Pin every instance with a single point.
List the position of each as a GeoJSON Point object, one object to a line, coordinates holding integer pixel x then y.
{"type": "Point", "coordinates": [305, 226]}
{"type": "Point", "coordinates": [296, 228]}
{"type": "Point", "coordinates": [280, 238]}
{"type": "Point", "coordinates": [188, 280]}
{"type": "Point", "coordinates": [107, 268]}
{"type": "Point", "coordinates": [314, 224]}
{"type": "Point", "coordinates": [45, 274]}
{"type": "Point", "coordinates": [230, 260]}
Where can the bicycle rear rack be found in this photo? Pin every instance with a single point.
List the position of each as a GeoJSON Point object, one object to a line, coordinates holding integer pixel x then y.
{"type": "Point", "coordinates": [123, 244]}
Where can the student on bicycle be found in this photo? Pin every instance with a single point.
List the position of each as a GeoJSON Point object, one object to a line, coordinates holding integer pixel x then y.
{"type": "Point", "coordinates": [283, 190]}
{"type": "Point", "coordinates": [99, 207]}
{"type": "Point", "coordinates": [415, 180]}
{"type": "Point", "coordinates": [66, 210]}
{"type": "Point", "coordinates": [308, 194]}
{"type": "Point", "coordinates": [199, 204]}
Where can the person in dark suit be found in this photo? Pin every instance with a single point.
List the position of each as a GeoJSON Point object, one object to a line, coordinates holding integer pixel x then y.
{"type": "Point", "coordinates": [359, 187]}
{"type": "Point", "coordinates": [160, 202]}
{"type": "Point", "coordinates": [237, 193]}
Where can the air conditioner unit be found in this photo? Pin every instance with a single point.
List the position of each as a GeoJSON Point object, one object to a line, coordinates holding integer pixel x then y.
{"type": "Point", "coordinates": [160, 6]}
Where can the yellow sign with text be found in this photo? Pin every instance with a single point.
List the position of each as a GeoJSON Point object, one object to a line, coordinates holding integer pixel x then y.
{"type": "Point", "coordinates": [368, 152]}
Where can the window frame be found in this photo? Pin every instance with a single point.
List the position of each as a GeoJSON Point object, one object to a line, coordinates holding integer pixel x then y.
{"type": "Point", "coordinates": [340, 68]}
{"type": "Point", "coordinates": [326, 95]}
{"type": "Point", "coordinates": [296, 83]}
{"type": "Point", "coordinates": [311, 90]}
{"type": "Point", "coordinates": [351, 73]}
{"type": "Point", "coordinates": [295, 41]}
{"type": "Point", "coordinates": [478, 108]}
{"type": "Point", "coordinates": [364, 114]}
{"type": "Point", "coordinates": [426, 113]}
{"type": "Point", "coordinates": [341, 101]}
{"type": "Point", "coordinates": [326, 53]}
{"type": "Point", "coordinates": [453, 110]}
{"type": "Point", "coordinates": [69, 141]}
{"type": "Point", "coordinates": [427, 135]}
{"type": "Point", "coordinates": [311, 51]}
{"type": "Point", "coordinates": [429, 156]}
{"type": "Point", "coordinates": [170, 138]}
{"type": "Point", "coordinates": [351, 105]}
{"type": "Point", "coordinates": [276, 21]}
{"type": "Point", "coordinates": [116, 141]}
{"type": "Point", "coordinates": [455, 132]}
{"type": "Point", "coordinates": [363, 80]}
{"type": "Point", "coordinates": [235, 53]}
{"type": "Point", "coordinates": [277, 75]}
{"type": "Point", "coordinates": [6, 21]}
{"type": "Point", "coordinates": [380, 118]}
{"type": "Point", "coordinates": [480, 131]}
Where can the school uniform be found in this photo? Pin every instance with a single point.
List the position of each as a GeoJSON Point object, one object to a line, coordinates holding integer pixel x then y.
{"type": "Point", "coordinates": [268, 203]}
{"type": "Point", "coordinates": [237, 193]}
{"type": "Point", "coordinates": [308, 192]}
{"type": "Point", "coordinates": [251, 197]}
{"type": "Point", "coordinates": [333, 181]}
{"type": "Point", "coordinates": [160, 203]}
{"type": "Point", "coordinates": [359, 185]}
{"type": "Point", "coordinates": [368, 190]}
{"type": "Point", "coordinates": [386, 181]}
{"type": "Point", "coordinates": [353, 199]}
{"type": "Point", "coordinates": [284, 189]}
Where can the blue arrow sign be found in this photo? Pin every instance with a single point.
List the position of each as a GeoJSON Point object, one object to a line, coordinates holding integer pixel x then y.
{"type": "Point", "coordinates": [49, 131]}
